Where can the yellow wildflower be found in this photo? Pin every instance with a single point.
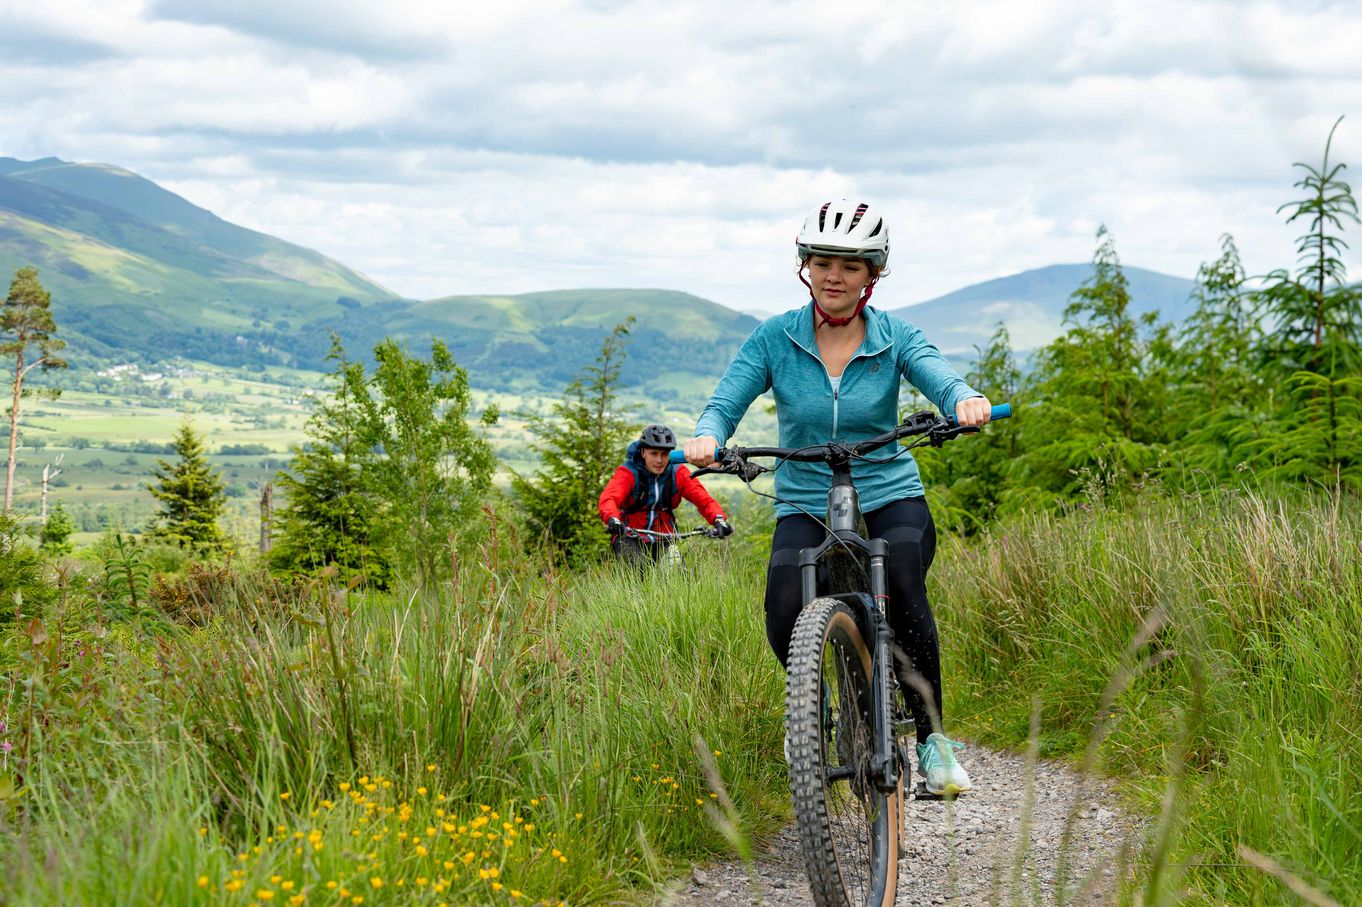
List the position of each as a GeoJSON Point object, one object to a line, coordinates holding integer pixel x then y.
{"type": "Point", "coordinates": [285, 795]}
{"type": "Point", "coordinates": [265, 894]}
{"type": "Point", "coordinates": [235, 885]}
{"type": "Point", "coordinates": [203, 881]}
{"type": "Point", "coordinates": [376, 881]}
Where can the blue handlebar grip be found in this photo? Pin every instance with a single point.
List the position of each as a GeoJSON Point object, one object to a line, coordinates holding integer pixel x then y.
{"type": "Point", "coordinates": [1001, 411]}
{"type": "Point", "coordinates": [677, 456]}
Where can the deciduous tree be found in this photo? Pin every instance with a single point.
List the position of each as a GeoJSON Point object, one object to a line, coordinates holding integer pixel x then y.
{"type": "Point", "coordinates": [430, 470]}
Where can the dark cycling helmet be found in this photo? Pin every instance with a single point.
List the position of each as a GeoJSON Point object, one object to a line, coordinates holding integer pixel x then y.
{"type": "Point", "coordinates": [659, 437]}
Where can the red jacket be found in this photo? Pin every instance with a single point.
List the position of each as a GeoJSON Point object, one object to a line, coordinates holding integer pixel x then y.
{"type": "Point", "coordinates": [619, 498]}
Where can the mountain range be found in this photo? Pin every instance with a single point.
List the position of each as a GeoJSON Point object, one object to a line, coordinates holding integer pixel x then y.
{"type": "Point", "coordinates": [137, 272]}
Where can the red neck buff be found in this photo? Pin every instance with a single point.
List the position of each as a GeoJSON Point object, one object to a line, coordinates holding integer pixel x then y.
{"type": "Point", "coordinates": [838, 322]}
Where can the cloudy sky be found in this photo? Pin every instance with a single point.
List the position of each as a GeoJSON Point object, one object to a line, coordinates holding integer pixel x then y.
{"type": "Point", "coordinates": [509, 146]}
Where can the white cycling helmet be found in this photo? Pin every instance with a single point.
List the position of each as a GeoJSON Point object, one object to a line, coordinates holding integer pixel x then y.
{"type": "Point", "coordinates": [846, 229]}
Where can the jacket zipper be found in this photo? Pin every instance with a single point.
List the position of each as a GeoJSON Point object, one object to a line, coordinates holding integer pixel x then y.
{"type": "Point", "coordinates": [652, 514]}
{"type": "Point", "coordinates": [828, 375]}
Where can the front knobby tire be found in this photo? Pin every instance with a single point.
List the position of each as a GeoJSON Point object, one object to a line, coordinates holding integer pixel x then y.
{"type": "Point", "coordinates": [848, 829]}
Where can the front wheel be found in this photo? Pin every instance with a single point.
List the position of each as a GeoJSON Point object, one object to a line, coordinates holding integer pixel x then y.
{"type": "Point", "coordinates": [848, 828]}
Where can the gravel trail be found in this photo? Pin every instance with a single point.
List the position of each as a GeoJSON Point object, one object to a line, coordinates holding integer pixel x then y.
{"type": "Point", "coordinates": [962, 853]}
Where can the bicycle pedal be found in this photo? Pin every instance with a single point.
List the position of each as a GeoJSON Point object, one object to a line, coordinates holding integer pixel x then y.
{"type": "Point", "coordinates": [920, 792]}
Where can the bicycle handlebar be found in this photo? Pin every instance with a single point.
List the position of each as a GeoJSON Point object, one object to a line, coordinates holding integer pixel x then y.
{"type": "Point", "coordinates": [669, 536]}
{"type": "Point", "coordinates": [922, 423]}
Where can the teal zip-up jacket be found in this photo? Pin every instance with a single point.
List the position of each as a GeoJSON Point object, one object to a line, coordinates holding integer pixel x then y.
{"type": "Point", "coordinates": [781, 355]}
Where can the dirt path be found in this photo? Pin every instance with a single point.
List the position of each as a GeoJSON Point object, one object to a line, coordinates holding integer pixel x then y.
{"type": "Point", "coordinates": [964, 853]}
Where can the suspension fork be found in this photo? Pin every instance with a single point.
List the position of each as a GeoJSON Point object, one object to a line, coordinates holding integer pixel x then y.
{"type": "Point", "coordinates": [882, 763]}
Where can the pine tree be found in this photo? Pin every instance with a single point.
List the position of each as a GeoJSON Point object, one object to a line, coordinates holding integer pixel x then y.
{"type": "Point", "coordinates": [328, 515]}
{"type": "Point", "coordinates": [26, 322]}
{"type": "Point", "coordinates": [1095, 398]}
{"type": "Point", "coordinates": [580, 445]}
{"type": "Point", "coordinates": [191, 495]}
{"type": "Point", "coordinates": [1313, 343]}
{"type": "Point", "coordinates": [55, 535]}
{"type": "Point", "coordinates": [1314, 316]}
{"type": "Point", "coordinates": [1215, 393]}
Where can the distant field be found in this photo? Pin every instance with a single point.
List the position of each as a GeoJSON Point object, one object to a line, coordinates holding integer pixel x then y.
{"type": "Point", "coordinates": [101, 438]}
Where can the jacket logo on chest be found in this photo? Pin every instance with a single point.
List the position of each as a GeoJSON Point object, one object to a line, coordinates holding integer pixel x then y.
{"type": "Point", "coordinates": [874, 367]}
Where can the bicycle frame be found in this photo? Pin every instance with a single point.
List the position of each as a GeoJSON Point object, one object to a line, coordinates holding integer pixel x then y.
{"type": "Point", "coordinates": [844, 521]}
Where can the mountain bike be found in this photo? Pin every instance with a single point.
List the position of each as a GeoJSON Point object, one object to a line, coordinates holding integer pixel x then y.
{"type": "Point", "coordinates": [671, 552]}
{"type": "Point", "coordinates": [847, 764]}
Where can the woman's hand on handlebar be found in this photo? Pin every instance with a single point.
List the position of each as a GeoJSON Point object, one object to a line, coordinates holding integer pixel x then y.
{"type": "Point", "coordinates": [700, 451]}
{"type": "Point", "coordinates": [972, 411]}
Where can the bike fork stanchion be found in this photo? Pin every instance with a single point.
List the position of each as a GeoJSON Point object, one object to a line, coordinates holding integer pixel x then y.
{"type": "Point", "coordinates": [882, 766]}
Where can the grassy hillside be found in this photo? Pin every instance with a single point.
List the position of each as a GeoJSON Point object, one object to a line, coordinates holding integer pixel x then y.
{"type": "Point", "coordinates": [1229, 623]}
{"type": "Point", "coordinates": [137, 273]}
{"type": "Point", "coordinates": [518, 737]}
{"type": "Point", "coordinates": [121, 190]}
{"type": "Point", "coordinates": [305, 741]}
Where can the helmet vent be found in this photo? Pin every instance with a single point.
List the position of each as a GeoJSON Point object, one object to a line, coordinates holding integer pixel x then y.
{"type": "Point", "coordinates": [823, 215]}
{"type": "Point", "coordinates": [879, 226]}
{"type": "Point", "coordinates": [856, 218]}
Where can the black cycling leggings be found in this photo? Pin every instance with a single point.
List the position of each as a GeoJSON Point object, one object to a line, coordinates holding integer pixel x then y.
{"type": "Point", "coordinates": [908, 529]}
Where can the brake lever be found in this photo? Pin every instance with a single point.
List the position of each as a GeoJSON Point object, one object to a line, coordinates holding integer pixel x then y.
{"type": "Point", "coordinates": [938, 436]}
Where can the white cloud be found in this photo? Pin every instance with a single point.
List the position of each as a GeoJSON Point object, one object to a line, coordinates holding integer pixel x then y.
{"type": "Point", "coordinates": [522, 146]}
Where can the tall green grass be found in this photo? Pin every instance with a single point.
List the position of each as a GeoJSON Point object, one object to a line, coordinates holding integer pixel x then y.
{"type": "Point", "coordinates": [376, 742]}
{"type": "Point", "coordinates": [609, 727]}
{"type": "Point", "coordinates": [1256, 607]}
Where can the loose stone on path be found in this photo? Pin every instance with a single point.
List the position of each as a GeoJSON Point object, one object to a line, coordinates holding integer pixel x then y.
{"type": "Point", "coordinates": [963, 853]}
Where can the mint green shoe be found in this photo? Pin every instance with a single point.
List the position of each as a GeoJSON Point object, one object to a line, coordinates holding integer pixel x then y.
{"type": "Point", "coordinates": [936, 762]}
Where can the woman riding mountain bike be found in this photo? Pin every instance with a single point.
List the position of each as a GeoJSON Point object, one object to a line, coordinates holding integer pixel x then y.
{"type": "Point", "coordinates": [834, 367]}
